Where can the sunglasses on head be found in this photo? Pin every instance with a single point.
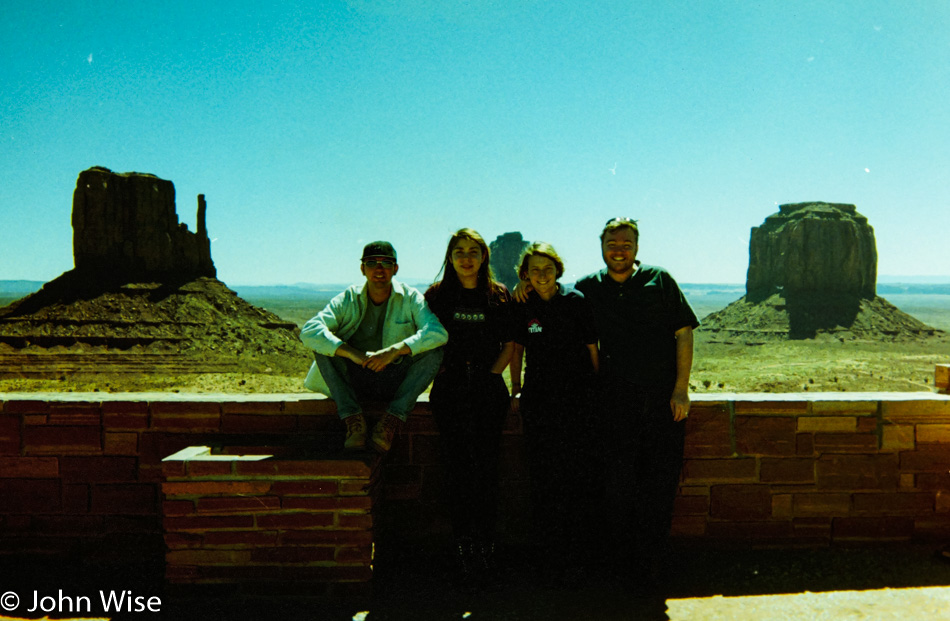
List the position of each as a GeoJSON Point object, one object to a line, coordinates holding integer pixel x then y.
{"type": "Point", "coordinates": [621, 219]}
{"type": "Point", "coordinates": [371, 264]}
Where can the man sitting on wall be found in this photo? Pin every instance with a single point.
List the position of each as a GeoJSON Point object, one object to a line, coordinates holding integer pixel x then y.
{"type": "Point", "coordinates": [376, 340]}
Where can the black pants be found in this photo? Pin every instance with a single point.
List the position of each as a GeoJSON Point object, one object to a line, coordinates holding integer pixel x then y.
{"type": "Point", "coordinates": [470, 413]}
{"type": "Point", "coordinates": [561, 464]}
{"type": "Point", "coordinates": [642, 460]}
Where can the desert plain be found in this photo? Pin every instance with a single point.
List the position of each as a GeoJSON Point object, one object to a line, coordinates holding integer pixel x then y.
{"type": "Point", "coordinates": [822, 364]}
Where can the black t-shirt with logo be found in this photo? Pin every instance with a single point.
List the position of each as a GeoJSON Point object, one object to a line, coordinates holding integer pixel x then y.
{"type": "Point", "coordinates": [555, 334]}
{"type": "Point", "coordinates": [478, 328]}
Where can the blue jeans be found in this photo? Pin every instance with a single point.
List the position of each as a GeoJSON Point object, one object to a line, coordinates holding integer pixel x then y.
{"type": "Point", "coordinates": [400, 384]}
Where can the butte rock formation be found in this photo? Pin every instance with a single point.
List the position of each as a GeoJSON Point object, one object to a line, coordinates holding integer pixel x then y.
{"type": "Point", "coordinates": [143, 295]}
{"type": "Point", "coordinates": [505, 252]}
{"type": "Point", "coordinates": [812, 271]}
{"type": "Point", "coordinates": [125, 226]}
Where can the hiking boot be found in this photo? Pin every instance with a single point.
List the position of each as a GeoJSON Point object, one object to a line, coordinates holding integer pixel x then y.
{"type": "Point", "coordinates": [465, 566]}
{"type": "Point", "coordinates": [487, 564]}
{"type": "Point", "coordinates": [384, 431]}
{"type": "Point", "coordinates": [355, 433]}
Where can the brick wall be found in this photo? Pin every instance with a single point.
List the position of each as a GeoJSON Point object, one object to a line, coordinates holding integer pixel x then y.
{"type": "Point", "coordinates": [292, 518]}
{"type": "Point", "coordinates": [83, 473]}
{"type": "Point", "coordinates": [829, 468]}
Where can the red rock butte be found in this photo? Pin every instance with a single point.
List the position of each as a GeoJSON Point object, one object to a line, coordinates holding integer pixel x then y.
{"type": "Point", "coordinates": [126, 223]}
{"type": "Point", "coordinates": [813, 271]}
{"type": "Point", "coordinates": [143, 288]}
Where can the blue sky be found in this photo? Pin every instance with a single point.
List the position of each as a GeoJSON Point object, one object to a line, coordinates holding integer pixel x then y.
{"type": "Point", "coordinates": [314, 128]}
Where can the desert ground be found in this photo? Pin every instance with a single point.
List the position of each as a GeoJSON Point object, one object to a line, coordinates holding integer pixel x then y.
{"type": "Point", "coordinates": [823, 364]}
{"type": "Point", "coordinates": [818, 365]}
{"type": "Point", "coordinates": [792, 366]}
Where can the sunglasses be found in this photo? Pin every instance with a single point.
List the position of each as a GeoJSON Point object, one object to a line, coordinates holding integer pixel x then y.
{"type": "Point", "coordinates": [371, 264]}
{"type": "Point", "coordinates": [621, 219]}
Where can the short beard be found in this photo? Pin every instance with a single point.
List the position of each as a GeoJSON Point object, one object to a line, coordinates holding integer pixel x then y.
{"type": "Point", "coordinates": [612, 267]}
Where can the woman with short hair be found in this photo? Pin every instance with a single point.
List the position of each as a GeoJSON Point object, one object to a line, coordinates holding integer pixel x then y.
{"type": "Point", "coordinates": [556, 329]}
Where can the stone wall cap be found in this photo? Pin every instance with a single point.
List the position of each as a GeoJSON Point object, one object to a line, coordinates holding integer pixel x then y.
{"type": "Point", "coordinates": [101, 397]}
{"type": "Point", "coordinates": [817, 396]}
{"type": "Point", "coordinates": [95, 397]}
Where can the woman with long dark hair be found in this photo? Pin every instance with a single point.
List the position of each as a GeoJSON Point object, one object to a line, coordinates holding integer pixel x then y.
{"type": "Point", "coordinates": [469, 398]}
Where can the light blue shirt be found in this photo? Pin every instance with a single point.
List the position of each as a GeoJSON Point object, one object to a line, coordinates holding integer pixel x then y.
{"type": "Point", "coordinates": [408, 322]}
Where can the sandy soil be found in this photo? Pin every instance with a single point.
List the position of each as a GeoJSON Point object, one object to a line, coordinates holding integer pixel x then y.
{"type": "Point", "coordinates": [822, 365]}
{"type": "Point", "coordinates": [204, 326]}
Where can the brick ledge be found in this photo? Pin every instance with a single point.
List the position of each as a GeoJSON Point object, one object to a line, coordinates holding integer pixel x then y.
{"type": "Point", "coordinates": [99, 397]}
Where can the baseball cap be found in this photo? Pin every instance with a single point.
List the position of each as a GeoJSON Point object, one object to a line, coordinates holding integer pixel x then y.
{"type": "Point", "coordinates": [379, 249]}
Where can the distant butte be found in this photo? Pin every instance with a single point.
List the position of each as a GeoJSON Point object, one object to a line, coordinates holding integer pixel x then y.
{"type": "Point", "coordinates": [505, 252]}
{"type": "Point", "coordinates": [125, 225]}
{"type": "Point", "coordinates": [143, 294]}
{"type": "Point", "coordinates": [813, 271]}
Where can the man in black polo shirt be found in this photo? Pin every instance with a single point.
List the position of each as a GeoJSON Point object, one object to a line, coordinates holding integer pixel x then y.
{"type": "Point", "coordinates": [645, 326]}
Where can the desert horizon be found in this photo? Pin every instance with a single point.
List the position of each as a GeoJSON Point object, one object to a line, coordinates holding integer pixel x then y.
{"type": "Point", "coordinates": [822, 364]}
{"type": "Point", "coordinates": [925, 297]}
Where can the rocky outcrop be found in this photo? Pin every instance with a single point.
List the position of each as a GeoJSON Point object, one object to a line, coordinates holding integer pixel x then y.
{"type": "Point", "coordinates": [812, 271]}
{"type": "Point", "coordinates": [126, 223]}
{"type": "Point", "coordinates": [505, 252]}
{"type": "Point", "coordinates": [201, 318]}
{"type": "Point", "coordinates": [143, 285]}
{"type": "Point", "coordinates": [813, 248]}
{"type": "Point", "coordinates": [842, 318]}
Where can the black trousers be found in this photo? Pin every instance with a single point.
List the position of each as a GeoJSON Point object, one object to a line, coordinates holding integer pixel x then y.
{"type": "Point", "coordinates": [642, 460]}
{"type": "Point", "coordinates": [470, 412]}
{"type": "Point", "coordinates": [561, 464]}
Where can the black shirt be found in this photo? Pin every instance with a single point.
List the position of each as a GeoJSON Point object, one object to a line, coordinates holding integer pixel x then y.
{"type": "Point", "coordinates": [478, 326]}
{"type": "Point", "coordinates": [555, 334]}
{"type": "Point", "coordinates": [636, 321]}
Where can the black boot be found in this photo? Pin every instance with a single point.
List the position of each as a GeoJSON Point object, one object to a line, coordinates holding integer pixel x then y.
{"type": "Point", "coordinates": [465, 564]}
{"type": "Point", "coordinates": [489, 572]}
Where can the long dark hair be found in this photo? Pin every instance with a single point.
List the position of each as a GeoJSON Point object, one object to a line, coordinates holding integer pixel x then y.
{"type": "Point", "coordinates": [450, 285]}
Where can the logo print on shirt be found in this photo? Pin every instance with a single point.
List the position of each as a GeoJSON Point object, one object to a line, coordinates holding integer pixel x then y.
{"type": "Point", "coordinates": [534, 327]}
{"type": "Point", "coordinates": [469, 316]}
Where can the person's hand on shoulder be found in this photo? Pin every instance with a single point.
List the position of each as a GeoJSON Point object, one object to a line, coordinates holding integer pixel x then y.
{"type": "Point", "coordinates": [521, 291]}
